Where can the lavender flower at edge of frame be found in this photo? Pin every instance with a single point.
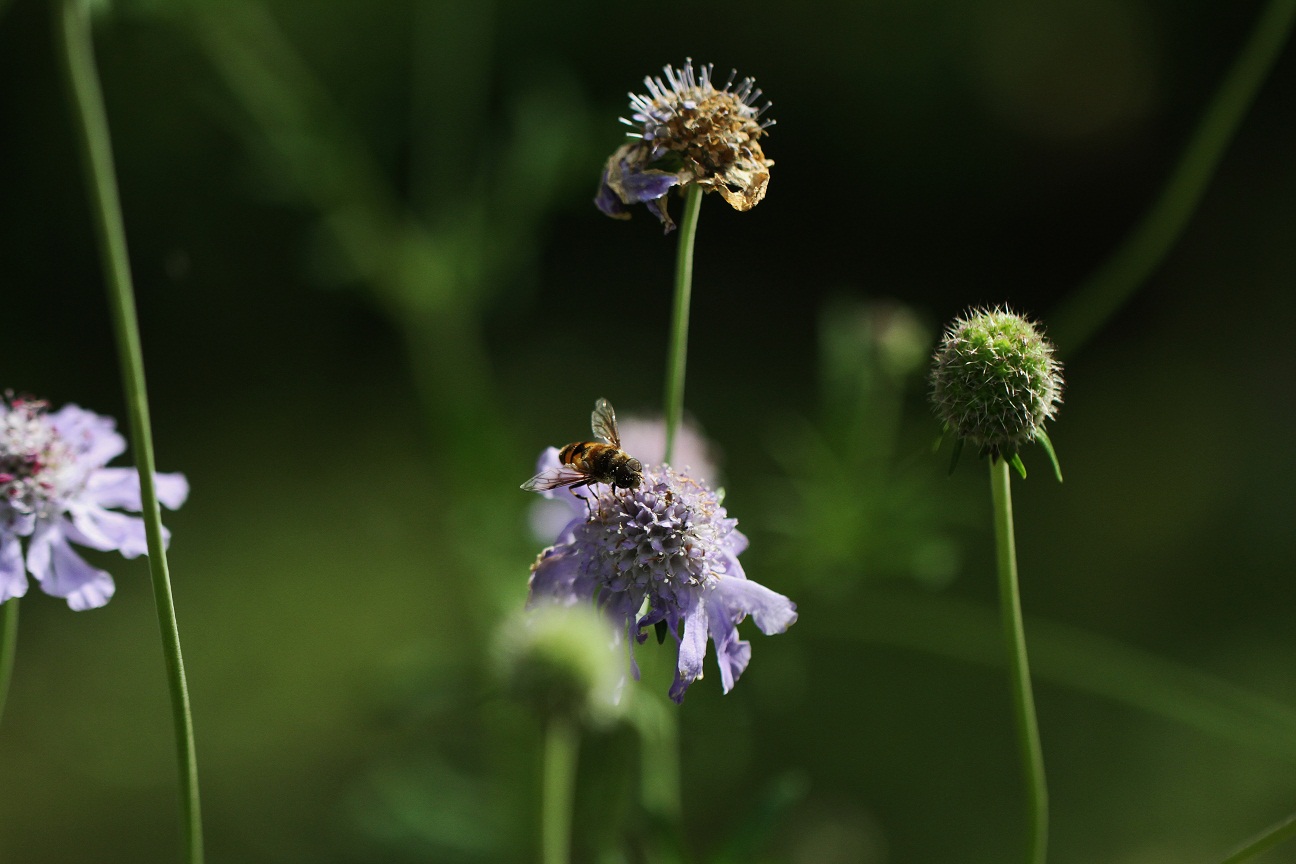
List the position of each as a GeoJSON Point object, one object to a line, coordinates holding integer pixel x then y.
{"type": "Point", "coordinates": [663, 552]}
{"type": "Point", "coordinates": [55, 491]}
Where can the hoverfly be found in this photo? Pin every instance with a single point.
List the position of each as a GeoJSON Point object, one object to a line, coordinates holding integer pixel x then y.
{"type": "Point", "coordinates": [585, 463]}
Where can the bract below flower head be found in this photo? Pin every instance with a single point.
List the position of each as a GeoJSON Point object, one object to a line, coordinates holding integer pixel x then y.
{"type": "Point", "coordinates": [664, 553]}
{"type": "Point", "coordinates": [688, 131]}
{"type": "Point", "coordinates": [55, 491]}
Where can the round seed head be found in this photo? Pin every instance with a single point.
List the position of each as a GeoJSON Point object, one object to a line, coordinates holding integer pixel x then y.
{"type": "Point", "coordinates": [995, 381]}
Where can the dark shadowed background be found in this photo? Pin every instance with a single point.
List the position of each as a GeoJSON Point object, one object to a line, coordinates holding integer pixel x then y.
{"type": "Point", "coordinates": [373, 286]}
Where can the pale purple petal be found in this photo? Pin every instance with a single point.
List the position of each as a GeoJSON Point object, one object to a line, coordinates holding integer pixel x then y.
{"type": "Point", "coordinates": [692, 650]}
{"type": "Point", "coordinates": [38, 549]}
{"type": "Point", "coordinates": [732, 653]}
{"type": "Point", "coordinates": [70, 577]}
{"type": "Point", "coordinates": [13, 573]}
{"type": "Point", "coordinates": [119, 487]}
{"type": "Point", "coordinates": [106, 530]}
{"type": "Point", "coordinates": [772, 612]}
{"type": "Point", "coordinates": [556, 576]}
{"type": "Point", "coordinates": [92, 435]}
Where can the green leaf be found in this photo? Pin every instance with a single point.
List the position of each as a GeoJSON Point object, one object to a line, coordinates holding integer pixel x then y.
{"type": "Point", "coordinates": [1042, 437]}
{"type": "Point", "coordinates": [958, 451]}
{"type": "Point", "coordinates": [1016, 462]}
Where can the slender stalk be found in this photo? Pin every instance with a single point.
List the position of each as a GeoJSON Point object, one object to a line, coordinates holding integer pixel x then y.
{"type": "Point", "coordinates": [1085, 311]}
{"type": "Point", "coordinates": [1019, 670]}
{"type": "Point", "coordinates": [678, 352]}
{"type": "Point", "coordinates": [8, 647]}
{"type": "Point", "coordinates": [562, 742]}
{"type": "Point", "coordinates": [1269, 838]}
{"type": "Point", "coordinates": [96, 151]}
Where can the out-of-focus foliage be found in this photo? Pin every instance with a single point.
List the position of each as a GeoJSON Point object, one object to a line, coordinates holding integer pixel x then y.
{"type": "Point", "coordinates": [373, 288]}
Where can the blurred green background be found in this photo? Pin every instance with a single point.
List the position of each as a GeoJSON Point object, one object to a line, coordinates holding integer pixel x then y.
{"type": "Point", "coordinates": [373, 287]}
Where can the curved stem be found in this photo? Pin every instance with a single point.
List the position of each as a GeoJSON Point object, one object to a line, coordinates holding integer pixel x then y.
{"type": "Point", "coordinates": [678, 352]}
{"type": "Point", "coordinates": [1019, 670]}
{"type": "Point", "coordinates": [1284, 830]}
{"type": "Point", "coordinates": [8, 647]}
{"type": "Point", "coordinates": [96, 151]}
{"type": "Point", "coordinates": [1085, 311]}
{"type": "Point", "coordinates": [562, 743]}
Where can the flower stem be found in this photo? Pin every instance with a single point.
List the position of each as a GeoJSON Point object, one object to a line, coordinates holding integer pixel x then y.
{"type": "Point", "coordinates": [96, 151]}
{"type": "Point", "coordinates": [678, 352]}
{"type": "Point", "coordinates": [1272, 836]}
{"type": "Point", "coordinates": [8, 647]}
{"type": "Point", "coordinates": [562, 742]}
{"type": "Point", "coordinates": [1019, 670]}
{"type": "Point", "coordinates": [1084, 312]}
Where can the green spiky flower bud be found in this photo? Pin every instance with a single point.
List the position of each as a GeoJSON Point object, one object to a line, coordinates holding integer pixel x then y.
{"type": "Point", "coordinates": [563, 661]}
{"type": "Point", "coordinates": [995, 381]}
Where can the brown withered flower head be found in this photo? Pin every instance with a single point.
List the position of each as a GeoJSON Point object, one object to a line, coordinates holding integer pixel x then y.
{"type": "Point", "coordinates": [688, 131]}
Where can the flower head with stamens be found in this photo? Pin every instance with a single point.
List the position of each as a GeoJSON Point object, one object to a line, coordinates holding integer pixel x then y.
{"type": "Point", "coordinates": [55, 491]}
{"type": "Point", "coordinates": [662, 555]}
{"type": "Point", "coordinates": [688, 131]}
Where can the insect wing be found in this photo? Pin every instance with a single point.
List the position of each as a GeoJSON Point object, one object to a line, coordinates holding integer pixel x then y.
{"type": "Point", "coordinates": [603, 422]}
{"type": "Point", "coordinates": [555, 478]}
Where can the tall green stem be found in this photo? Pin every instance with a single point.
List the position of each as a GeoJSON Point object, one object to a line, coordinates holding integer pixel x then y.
{"type": "Point", "coordinates": [1271, 837]}
{"type": "Point", "coordinates": [96, 151]}
{"type": "Point", "coordinates": [1115, 281]}
{"type": "Point", "coordinates": [562, 742]}
{"type": "Point", "coordinates": [678, 352]}
{"type": "Point", "coordinates": [1028, 738]}
{"type": "Point", "coordinates": [8, 647]}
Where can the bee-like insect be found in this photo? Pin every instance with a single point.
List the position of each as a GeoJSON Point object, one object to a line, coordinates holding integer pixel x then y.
{"type": "Point", "coordinates": [585, 463]}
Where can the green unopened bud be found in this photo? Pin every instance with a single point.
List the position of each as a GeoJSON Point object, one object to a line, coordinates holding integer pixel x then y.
{"type": "Point", "coordinates": [563, 661]}
{"type": "Point", "coordinates": [995, 381]}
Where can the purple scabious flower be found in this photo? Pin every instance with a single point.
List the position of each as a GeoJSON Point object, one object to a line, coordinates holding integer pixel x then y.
{"type": "Point", "coordinates": [55, 491]}
{"type": "Point", "coordinates": [688, 131]}
{"type": "Point", "coordinates": [664, 555]}
{"type": "Point", "coordinates": [645, 437]}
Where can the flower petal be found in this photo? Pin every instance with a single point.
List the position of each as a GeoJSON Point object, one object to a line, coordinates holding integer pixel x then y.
{"type": "Point", "coordinates": [119, 487]}
{"type": "Point", "coordinates": [772, 612]}
{"type": "Point", "coordinates": [556, 576]}
{"type": "Point", "coordinates": [732, 654]}
{"type": "Point", "coordinates": [108, 530]}
{"type": "Point", "coordinates": [692, 649]}
{"type": "Point", "coordinates": [609, 202]}
{"type": "Point", "coordinates": [93, 436]}
{"type": "Point", "coordinates": [38, 548]}
{"type": "Point", "coordinates": [13, 573]}
{"type": "Point", "coordinates": [70, 577]}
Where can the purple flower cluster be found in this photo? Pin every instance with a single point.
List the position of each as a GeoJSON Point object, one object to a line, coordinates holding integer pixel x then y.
{"type": "Point", "coordinates": [55, 491]}
{"type": "Point", "coordinates": [663, 554]}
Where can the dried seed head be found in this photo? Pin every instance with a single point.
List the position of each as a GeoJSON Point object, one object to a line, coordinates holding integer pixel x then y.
{"type": "Point", "coordinates": [688, 131]}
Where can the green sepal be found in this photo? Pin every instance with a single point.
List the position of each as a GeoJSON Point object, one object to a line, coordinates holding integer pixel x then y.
{"type": "Point", "coordinates": [1016, 462]}
{"type": "Point", "coordinates": [662, 630]}
{"type": "Point", "coordinates": [958, 451]}
{"type": "Point", "coordinates": [1042, 437]}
